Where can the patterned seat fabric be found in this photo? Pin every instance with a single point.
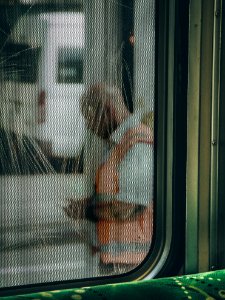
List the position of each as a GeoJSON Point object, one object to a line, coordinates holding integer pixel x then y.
{"type": "Point", "coordinates": [207, 286]}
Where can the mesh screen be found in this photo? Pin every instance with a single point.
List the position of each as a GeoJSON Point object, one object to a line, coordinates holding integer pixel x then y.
{"type": "Point", "coordinates": [77, 81]}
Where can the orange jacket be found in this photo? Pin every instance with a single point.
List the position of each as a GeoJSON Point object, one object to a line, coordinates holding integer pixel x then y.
{"type": "Point", "coordinates": [126, 242]}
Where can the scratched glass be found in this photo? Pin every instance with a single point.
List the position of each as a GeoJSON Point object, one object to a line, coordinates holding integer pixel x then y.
{"type": "Point", "coordinates": [77, 82]}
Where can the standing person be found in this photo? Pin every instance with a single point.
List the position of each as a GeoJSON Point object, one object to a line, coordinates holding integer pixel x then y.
{"type": "Point", "coordinates": [124, 181]}
{"type": "Point", "coordinates": [122, 203]}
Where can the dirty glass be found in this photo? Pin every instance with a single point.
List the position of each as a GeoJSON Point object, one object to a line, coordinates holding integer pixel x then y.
{"type": "Point", "coordinates": [77, 84]}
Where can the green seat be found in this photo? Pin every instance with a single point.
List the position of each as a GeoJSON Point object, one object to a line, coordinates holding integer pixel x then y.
{"type": "Point", "coordinates": [207, 286]}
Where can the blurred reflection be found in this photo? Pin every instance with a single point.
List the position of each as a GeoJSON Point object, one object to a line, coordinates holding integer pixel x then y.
{"type": "Point", "coordinates": [41, 85]}
{"type": "Point", "coordinates": [124, 180]}
{"type": "Point", "coordinates": [69, 80]}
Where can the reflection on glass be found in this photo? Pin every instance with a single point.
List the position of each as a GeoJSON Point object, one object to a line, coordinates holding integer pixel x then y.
{"type": "Point", "coordinates": [70, 65]}
{"type": "Point", "coordinates": [76, 142]}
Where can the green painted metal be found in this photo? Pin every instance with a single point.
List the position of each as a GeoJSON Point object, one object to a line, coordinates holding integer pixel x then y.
{"type": "Point", "coordinates": [215, 135]}
{"type": "Point", "coordinates": [193, 132]}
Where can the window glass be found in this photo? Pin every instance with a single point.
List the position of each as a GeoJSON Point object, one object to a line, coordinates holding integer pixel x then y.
{"type": "Point", "coordinates": [20, 63]}
{"type": "Point", "coordinates": [77, 147]}
{"type": "Point", "coordinates": [70, 65]}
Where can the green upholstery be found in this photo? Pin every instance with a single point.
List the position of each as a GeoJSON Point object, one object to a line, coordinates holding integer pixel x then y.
{"type": "Point", "coordinates": [206, 286]}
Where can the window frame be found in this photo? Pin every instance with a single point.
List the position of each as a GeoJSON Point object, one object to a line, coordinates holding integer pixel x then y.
{"type": "Point", "coordinates": [165, 248]}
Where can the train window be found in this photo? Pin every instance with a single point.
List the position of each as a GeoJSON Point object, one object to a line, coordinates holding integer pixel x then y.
{"type": "Point", "coordinates": [86, 144]}
{"type": "Point", "coordinates": [70, 65]}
